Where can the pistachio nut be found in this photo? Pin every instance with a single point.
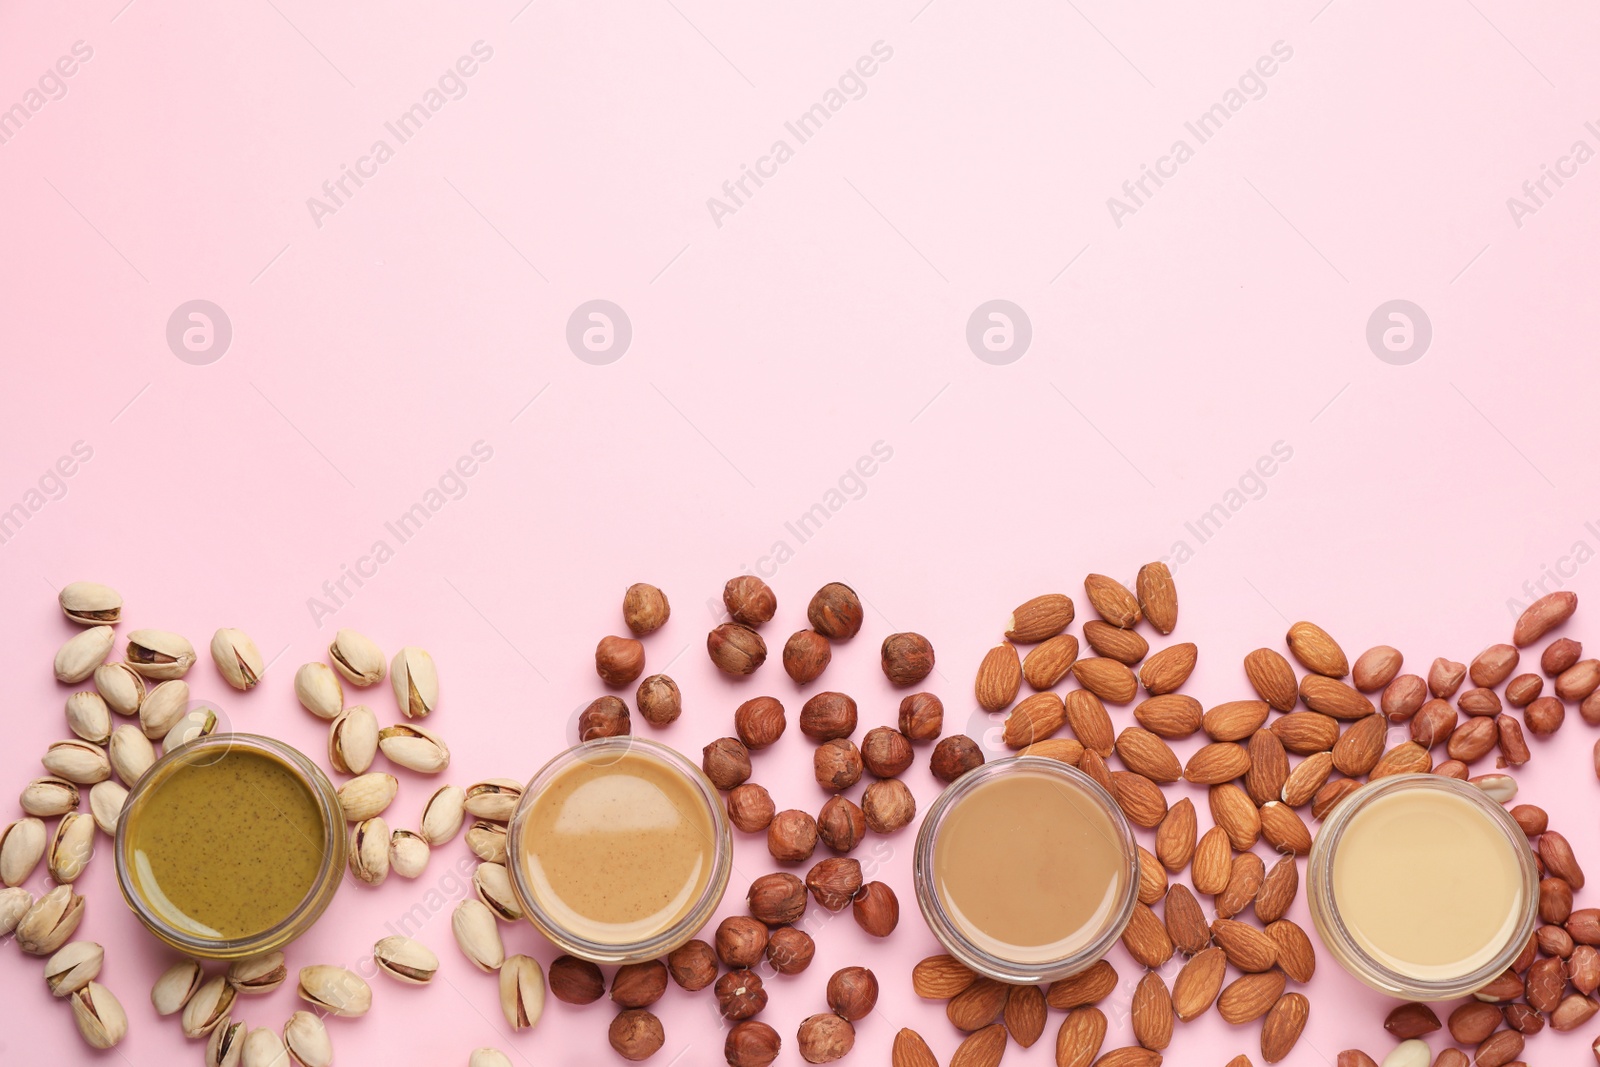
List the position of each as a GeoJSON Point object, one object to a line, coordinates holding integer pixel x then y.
{"type": "Point", "coordinates": [163, 706]}
{"type": "Point", "coordinates": [406, 960]}
{"type": "Point", "coordinates": [488, 1057]}
{"type": "Point", "coordinates": [105, 804]}
{"type": "Point", "coordinates": [335, 990]}
{"type": "Point", "coordinates": [414, 748]}
{"type": "Point", "coordinates": [82, 653]}
{"type": "Point", "coordinates": [50, 922]}
{"type": "Point", "coordinates": [237, 658]}
{"type": "Point", "coordinates": [353, 740]}
{"type": "Point", "coordinates": [21, 849]}
{"type": "Point", "coordinates": [487, 840]}
{"type": "Point", "coordinates": [91, 604]}
{"type": "Point", "coordinates": [477, 935]}
{"type": "Point", "coordinates": [131, 753]}
{"type": "Point", "coordinates": [357, 657]}
{"type": "Point", "coordinates": [408, 854]}
{"type": "Point", "coordinates": [209, 1006]}
{"type": "Point", "coordinates": [307, 1040]}
{"type": "Point", "coordinates": [88, 716]}
{"type": "Point", "coordinates": [175, 986]}
{"type": "Point", "coordinates": [73, 967]}
{"type": "Point", "coordinates": [416, 682]}
{"type": "Point", "coordinates": [258, 974]}
{"type": "Point", "coordinates": [159, 654]}
{"type": "Point", "coordinates": [318, 690]}
{"type": "Point", "coordinates": [15, 902]}
{"type": "Point", "coordinates": [78, 761]}
{"type": "Point", "coordinates": [264, 1048]}
{"type": "Point", "coordinates": [99, 1016]}
{"type": "Point", "coordinates": [120, 686]}
{"type": "Point", "coordinates": [367, 795]}
{"type": "Point", "coordinates": [225, 1046]}
{"type": "Point", "coordinates": [369, 850]}
{"type": "Point", "coordinates": [521, 991]}
{"type": "Point", "coordinates": [71, 848]}
{"type": "Point", "coordinates": [46, 797]}
{"type": "Point", "coordinates": [443, 814]}
{"type": "Point", "coordinates": [492, 883]}
{"type": "Point", "coordinates": [199, 721]}
{"type": "Point", "coordinates": [494, 799]}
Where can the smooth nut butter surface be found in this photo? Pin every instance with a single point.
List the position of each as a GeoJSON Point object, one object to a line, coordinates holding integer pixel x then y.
{"type": "Point", "coordinates": [227, 847]}
{"type": "Point", "coordinates": [1426, 884]}
{"type": "Point", "coordinates": [1029, 867]}
{"type": "Point", "coordinates": [617, 851]}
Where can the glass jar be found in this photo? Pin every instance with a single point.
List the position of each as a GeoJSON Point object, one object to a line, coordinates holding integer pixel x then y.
{"type": "Point", "coordinates": [603, 833]}
{"type": "Point", "coordinates": [176, 787]}
{"type": "Point", "coordinates": [1088, 832]}
{"type": "Point", "coordinates": [1443, 822]}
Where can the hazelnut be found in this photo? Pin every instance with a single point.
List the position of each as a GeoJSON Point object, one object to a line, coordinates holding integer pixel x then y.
{"type": "Point", "coordinates": [759, 722]}
{"type": "Point", "coordinates": [749, 600]}
{"type": "Point", "coordinates": [824, 1038]}
{"type": "Point", "coordinates": [604, 717]}
{"type": "Point", "coordinates": [834, 882]}
{"type": "Point", "coordinates": [659, 700]}
{"type": "Point", "coordinates": [888, 805]}
{"type": "Point", "coordinates": [876, 908]}
{"type": "Point", "coordinates": [955, 756]}
{"type": "Point", "coordinates": [750, 808]}
{"type": "Point", "coordinates": [841, 825]}
{"type": "Point", "coordinates": [726, 762]}
{"type": "Point", "coordinates": [693, 965]}
{"type": "Point", "coordinates": [639, 985]}
{"type": "Point", "coordinates": [853, 993]}
{"type": "Point", "coordinates": [636, 1034]}
{"type": "Point", "coordinates": [777, 898]}
{"type": "Point", "coordinates": [751, 1044]}
{"type": "Point", "coordinates": [739, 994]}
{"type": "Point", "coordinates": [837, 764]}
{"type": "Point", "coordinates": [741, 941]}
{"type": "Point", "coordinates": [921, 716]}
{"type": "Point", "coordinates": [907, 658]}
{"type": "Point", "coordinates": [792, 837]}
{"type": "Point", "coordinates": [886, 751]}
{"type": "Point", "coordinates": [644, 608]}
{"type": "Point", "coordinates": [835, 611]}
{"type": "Point", "coordinates": [806, 655]}
{"type": "Point", "coordinates": [618, 660]}
{"type": "Point", "coordinates": [736, 649]}
{"type": "Point", "coordinates": [576, 981]}
{"type": "Point", "coordinates": [828, 715]}
{"type": "Point", "coordinates": [790, 950]}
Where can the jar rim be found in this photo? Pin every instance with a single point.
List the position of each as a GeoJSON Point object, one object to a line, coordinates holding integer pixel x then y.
{"type": "Point", "coordinates": [951, 936]}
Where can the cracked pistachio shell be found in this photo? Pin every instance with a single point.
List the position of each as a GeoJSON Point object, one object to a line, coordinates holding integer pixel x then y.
{"type": "Point", "coordinates": [334, 990]}
{"type": "Point", "coordinates": [74, 966]}
{"type": "Point", "coordinates": [46, 797]}
{"type": "Point", "coordinates": [488, 1057]}
{"type": "Point", "coordinates": [414, 748]}
{"type": "Point", "coordinates": [494, 799]}
{"type": "Point", "coordinates": [192, 725]}
{"type": "Point", "coordinates": [357, 657]}
{"type": "Point", "coordinates": [521, 992]}
{"type": "Point", "coordinates": [492, 883]}
{"type": "Point", "coordinates": [131, 753]}
{"type": "Point", "coordinates": [353, 740]}
{"type": "Point", "coordinates": [71, 848]}
{"type": "Point", "coordinates": [99, 1016]}
{"type": "Point", "coordinates": [369, 850]}
{"type": "Point", "coordinates": [21, 848]}
{"type": "Point", "coordinates": [105, 804]}
{"type": "Point", "coordinates": [50, 922]}
{"type": "Point", "coordinates": [367, 795]}
{"type": "Point", "coordinates": [225, 1046]}
{"type": "Point", "coordinates": [408, 854]}
{"type": "Point", "coordinates": [91, 604]}
{"type": "Point", "coordinates": [175, 986]}
{"type": "Point", "coordinates": [307, 1040]}
{"type": "Point", "coordinates": [82, 653]}
{"type": "Point", "coordinates": [443, 815]}
{"type": "Point", "coordinates": [209, 1006]}
{"type": "Point", "coordinates": [255, 975]}
{"type": "Point", "coordinates": [264, 1048]}
{"type": "Point", "coordinates": [159, 654]}
{"type": "Point", "coordinates": [487, 840]}
{"type": "Point", "coordinates": [15, 902]}
{"type": "Point", "coordinates": [78, 761]}
{"type": "Point", "coordinates": [415, 681]}
{"type": "Point", "coordinates": [477, 935]}
{"type": "Point", "coordinates": [163, 706]}
{"type": "Point", "coordinates": [237, 658]}
{"type": "Point", "coordinates": [318, 690]}
{"type": "Point", "coordinates": [89, 717]}
{"type": "Point", "coordinates": [406, 960]}
{"type": "Point", "coordinates": [120, 686]}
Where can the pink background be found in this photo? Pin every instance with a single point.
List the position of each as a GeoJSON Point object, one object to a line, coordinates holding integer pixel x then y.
{"type": "Point", "coordinates": [770, 353]}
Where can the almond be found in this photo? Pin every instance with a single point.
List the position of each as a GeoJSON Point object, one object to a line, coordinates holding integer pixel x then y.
{"type": "Point", "coordinates": [1474, 1021]}
{"type": "Point", "coordinates": [1198, 983]}
{"type": "Point", "coordinates": [1173, 716]}
{"type": "Point", "coordinates": [977, 1005]}
{"type": "Point", "coordinates": [1295, 954]}
{"type": "Point", "coordinates": [1064, 749]}
{"type": "Point", "coordinates": [1146, 938]}
{"type": "Point", "coordinates": [1244, 882]}
{"type": "Point", "coordinates": [1247, 948]}
{"type": "Point", "coordinates": [1283, 1025]}
{"type": "Point", "coordinates": [1092, 763]}
{"type": "Point", "coordinates": [1235, 720]}
{"type": "Point", "coordinates": [1024, 1014]}
{"type": "Point", "coordinates": [1140, 799]}
{"type": "Point", "coordinates": [1376, 668]}
{"type": "Point", "coordinates": [1089, 986]}
{"type": "Point", "coordinates": [1408, 757]}
{"type": "Point", "coordinates": [1213, 861]}
{"type": "Point", "coordinates": [1329, 796]}
{"type": "Point", "coordinates": [1089, 721]}
{"type": "Point", "coordinates": [1278, 890]}
{"type": "Point", "coordinates": [1148, 755]}
{"type": "Point", "coordinates": [940, 977]}
{"type": "Point", "coordinates": [1241, 1060]}
{"type": "Point", "coordinates": [1402, 697]}
{"type": "Point", "coordinates": [1433, 724]}
{"type": "Point", "coordinates": [1152, 877]}
{"type": "Point", "coordinates": [1132, 1056]}
{"type": "Point", "coordinates": [1272, 678]}
{"type": "Point", "coordinates": [1185, 922]}
{"type": "Point", "coordinates": [1472, 740]}
{"type": "Point", "coordinates": [1168, 669]}
{"type": "Point", "coordinates": [1361, 745]}
{"type": "Point", "coordinates": [1113, 642]}
{"type": "Point", "coordinates": [1305, 732]}
{"type": "Point", "coordinates": [1542, 616]}
{"type": "Point", "coordinates": [1308, 776]}
{"type": "Point", "coordinates": [1559, 859]}
{"type": "Point", "coordinates": [911, 1051]}
{"type": "Point", "coordinates": [1218, 762]}
{"type": "Point", "coordinates": [1493, 665]}
{"type": "Point", "coordinates": [982, 1049]}
{"type": "Point", "coordinates": [1111, 599]}
{"type": "Point", "coordinates": [1035, 718]}
{"type": "Point", "coordinates": [1269, 767]}
{"type": "Point", "coordinates": [999, 677]}
{"type": "Point", "coordinates": [1232, 810]}
{"type": "Point", "coordinates": [1250, 996]}
{"type": "Point", "coordinates": [1283, 828]}
{"type": "Point", "coordinates": [1175, 837]}
{"type": "Point", "coordinates": [1444, 677]}
{"type": "Point", "coordinates": [1158, 596]}
{"type": "Point", "coordinates": [1332, 697]}
{"type": "Point", "coordinates": [1046, 664]}
{"type": "Point", "coordinates": [1040, 618]}
{"type": "Point", "coordinates": [1106, 679]}
{"type": "Point", "coordinates": [1152, 1012]}
{"type": "Point", "coordinates": [1080, 1037]}
{"type": "Point", "coordinates": [1316, 651]}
